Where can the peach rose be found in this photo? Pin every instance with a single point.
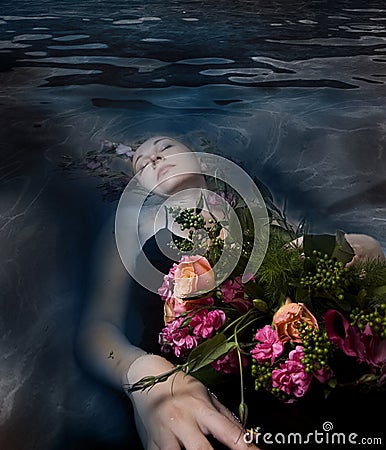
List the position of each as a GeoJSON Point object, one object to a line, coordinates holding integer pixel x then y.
{"type": "Point", "coordinates": [174, 306]}
{"type": "Point", "coordinates": [288, 319]}
{"type": "Point", "coordinates": [193, 276]}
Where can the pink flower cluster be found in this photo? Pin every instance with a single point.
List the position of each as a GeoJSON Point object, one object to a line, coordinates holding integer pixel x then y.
{"type": "Point", "coordinates": [291, 377]}
{"type": "Point", "coordinates": [166, 290]}
{"type": "Point", "coordinates": [186, 332]}
{"type": "Point", "coordinates": [233, 294]}
{"type": "Point", "coordinates": [269, 346]}
{"type": "Point", "coordinates": [229, 363]}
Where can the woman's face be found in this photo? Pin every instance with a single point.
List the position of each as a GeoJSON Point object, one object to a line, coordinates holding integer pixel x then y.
{"type": "Point", "coordinates": [158, 168]}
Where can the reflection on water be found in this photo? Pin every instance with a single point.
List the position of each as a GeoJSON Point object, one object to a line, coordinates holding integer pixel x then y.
{"type": "Point", "coordinates": [294, 92]}
{"type": "Point", "coordinates": [300, 87]}
{"type": "Point", "coordinates": [243, 34]}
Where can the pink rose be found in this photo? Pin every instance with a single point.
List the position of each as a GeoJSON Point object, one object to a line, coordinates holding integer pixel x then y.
{"type": "Point", "coordinates": [233, 294]}
{"type": "Point", "coordinates": [193, 275]}
{"type": "Point", "coordinates": [269, 347]}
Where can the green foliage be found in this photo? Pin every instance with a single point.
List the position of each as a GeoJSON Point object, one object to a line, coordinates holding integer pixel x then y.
{"type": "Point", "coordinates": [207, 352]}
{"type": "Point", "coordinates": [370, 280]}
{"type": "Point", "coordinates": [335, 247]}
{"type": "Point", "coordinates": [281, 266]}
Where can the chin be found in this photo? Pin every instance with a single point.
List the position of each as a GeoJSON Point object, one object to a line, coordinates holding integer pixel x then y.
{"type": "Point", "coordinates": [176, 184]}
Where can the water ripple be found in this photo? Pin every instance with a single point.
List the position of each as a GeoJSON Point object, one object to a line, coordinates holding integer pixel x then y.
{"type": "Point", "coordinates": [363, 41]}
{"type": "Point", "coordinates": [31, 37]}
{"type": "Point", "coordinates": [142, 64]}
{"type": "Point", "coordinates": [11, 18]}
{"type": "Point", "coordinates": [205, 61]}
{"type": "Point", "coordinates": [78, 47]}
{"type": "Point", "coordinates": [71, 37]}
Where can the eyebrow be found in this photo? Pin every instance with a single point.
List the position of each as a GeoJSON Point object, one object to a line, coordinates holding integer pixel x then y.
{"type": "Point", "coordinates": [159, 140]}
{"type": "Point", "coordinates": [154, 143]}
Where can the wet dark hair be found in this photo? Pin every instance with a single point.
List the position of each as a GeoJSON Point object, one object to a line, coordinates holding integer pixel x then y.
{"type": "Point", "coordinates": [112, 163]}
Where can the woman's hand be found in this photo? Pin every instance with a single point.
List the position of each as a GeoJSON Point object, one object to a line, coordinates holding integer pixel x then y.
{"type": "Point", "coordinates": [180, 413]}
{"type": "Point", "coordinates": [365, 248]}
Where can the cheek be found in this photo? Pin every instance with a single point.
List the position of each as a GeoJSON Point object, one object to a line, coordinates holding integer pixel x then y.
{"type": "Point", "coordinates": [148, 179]}
{"type": "Point", "coordinates": [190, 164]}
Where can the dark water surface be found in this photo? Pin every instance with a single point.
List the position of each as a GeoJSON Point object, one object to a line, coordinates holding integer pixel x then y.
{"type": "Point", "coordinates": [295, 90]}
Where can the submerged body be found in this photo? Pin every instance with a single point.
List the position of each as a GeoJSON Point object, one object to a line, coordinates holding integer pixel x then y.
{"type": "Point", "coordinates": [180, 412]}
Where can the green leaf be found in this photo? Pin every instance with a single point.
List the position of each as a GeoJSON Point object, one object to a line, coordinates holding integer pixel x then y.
{"type": "Point", "coordinates": [367, 378]}
{"type": "Point", "coordinates": [328, 244]}
{"type": "Point", "coordinates": [380, 291]}
{"type": "Point", "coordinates": [343, 251]}
{"type": "Point", "coordinates": [208, 351]}
{"type": "Point", "coordinates": [200, 203]}
{"type": "Point", "coordinates": [209, 376]}
{"type": "Point", "coordinates": [261, 305]}
{"type": "Point", "coordinates": [333, 382]}
{"type": "Point", "coordinates": [327, 391]}
{"type": "Point", "coordinates": [245, 219]}
{"type": "Point", "coordinates": [243, 413]}
{"type": "Point", "coordinates": [323, 243]}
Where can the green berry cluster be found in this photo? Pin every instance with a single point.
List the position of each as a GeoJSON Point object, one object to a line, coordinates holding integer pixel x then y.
{"type": "Point", "coordinates": [183, 245]}
{"type": "Point", "coordinates": [187, 218]}
{"type": "Point", "coordinates": [279, 393]}
{"type": "Point", "coordinates": [262, 374]}
{"type": "Point", "coordinates": [263, 379]}
{"type": "Point", "coordinates": [329, 276]}
{"type": "Point", "coordinates": [375, 318]}
{"type": "Point", "coordinates": [190, 219]}
{"type": "Point", "coordinates": [316, 348]}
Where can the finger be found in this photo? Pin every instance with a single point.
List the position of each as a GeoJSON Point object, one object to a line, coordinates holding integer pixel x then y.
{"type": "Point", "coordinates": [194, 439]}
{"type": "Point", "coordinates": [152, 446]}
{"type": "Point", "coordinates": [226, 431]}
{"type": "Point", "coordinates": [165, 440]}
{"type": "Point", "coordinates": [225, 411]}
{"type": "Point", "coordinates": [188, 433]}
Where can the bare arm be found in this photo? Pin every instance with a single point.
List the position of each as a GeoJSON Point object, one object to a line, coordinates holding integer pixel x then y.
{"type": "Point", "coordinates": [175, 414]}
{"type": "Point", "coordinates": [101, 343]}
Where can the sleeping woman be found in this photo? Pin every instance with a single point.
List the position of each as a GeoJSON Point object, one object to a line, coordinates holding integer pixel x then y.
{"type": "Point", "coordinates": [118, 338]}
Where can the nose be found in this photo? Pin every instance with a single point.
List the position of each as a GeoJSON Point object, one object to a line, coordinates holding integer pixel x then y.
{"type": "Point", "coordinates": [154, 158]}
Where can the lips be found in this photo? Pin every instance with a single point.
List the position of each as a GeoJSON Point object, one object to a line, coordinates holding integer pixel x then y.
{"type": "Point", "coordinates": [164, 169]}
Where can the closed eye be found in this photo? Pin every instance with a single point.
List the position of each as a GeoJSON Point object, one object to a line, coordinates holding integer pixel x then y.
{"type": "Point", "coordinates": [143, 166]}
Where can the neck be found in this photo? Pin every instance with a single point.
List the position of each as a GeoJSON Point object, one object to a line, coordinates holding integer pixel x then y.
{"type": "Point", "coordinates": [187, 198]}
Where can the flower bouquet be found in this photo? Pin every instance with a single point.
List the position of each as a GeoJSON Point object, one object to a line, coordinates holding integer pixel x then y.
{"type": "Point", "coordinates": [307, 317]}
